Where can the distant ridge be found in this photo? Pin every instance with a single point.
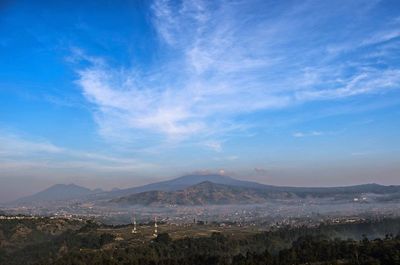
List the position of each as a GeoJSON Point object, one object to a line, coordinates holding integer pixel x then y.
{"type": "Point", "coordinates": [204, 193]}
{"type": "Point", "coordinates": [170, 192]}
{"type": "Point", "coordinates": [186, 181]}
{"type": "Point", "coordinates": [190, 180]}
{"type": "Point", "coordinates": [211, 193]}
{"type": "Point", "coordinates": [56, 193]}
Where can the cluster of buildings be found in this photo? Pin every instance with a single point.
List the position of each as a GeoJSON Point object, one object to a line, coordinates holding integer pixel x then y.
{"type": "Point", "coordinates": [18, 217]}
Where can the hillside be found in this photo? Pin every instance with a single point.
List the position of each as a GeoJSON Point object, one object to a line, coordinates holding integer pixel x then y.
{"type": "Point", "coordinates": [56, 193]}
{"type": "Point", "coordinates": [204, 193]}
{"type": "Point", "coordinates": [214, 189]}
{"type": "Point", "coordinates": [237, 192]}
{"type": "Point", "coordinates": [34, 241]}
{"type": "Point", "coordinates": [184, 182]}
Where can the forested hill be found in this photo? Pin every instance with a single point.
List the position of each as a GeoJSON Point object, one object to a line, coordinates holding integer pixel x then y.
{"type": "Point", "coordinates": [57, 241]}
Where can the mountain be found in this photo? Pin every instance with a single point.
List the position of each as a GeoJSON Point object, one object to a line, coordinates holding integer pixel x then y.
{"type": "Point", "coordinates": [217, 189]}
{"type": "Point", "coordinates": [56, 193]}
{"type": "Point", "coordinates": [170, 191]}
{"type": "Point", "coordinates": [190, 180]}
{"type": "Point", "coordinates": [372, 188]}
{"type": "Point", "coordinates": [204, 193]}
{"type": "Point", "coordinates": [184, 182]}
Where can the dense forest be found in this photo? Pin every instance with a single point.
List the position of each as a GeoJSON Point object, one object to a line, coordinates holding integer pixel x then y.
{"type": "Point", "coordinates": [219, 249]}
{"type": "Point", "coordinates": [72, 243]}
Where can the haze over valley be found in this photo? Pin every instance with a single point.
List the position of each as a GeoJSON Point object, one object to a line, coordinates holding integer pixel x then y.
{"type": "Point", "coordinates": [212, 198]}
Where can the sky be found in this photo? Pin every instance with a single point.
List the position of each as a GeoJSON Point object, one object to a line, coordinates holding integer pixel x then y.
{"type": "Point", "coordinates": [121, 93]}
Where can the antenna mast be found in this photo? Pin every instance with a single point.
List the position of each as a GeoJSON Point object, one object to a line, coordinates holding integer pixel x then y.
{"type": "Point", "coordinates": [155, 227]}
{"type": "Point", "coordinates": [134, 231]}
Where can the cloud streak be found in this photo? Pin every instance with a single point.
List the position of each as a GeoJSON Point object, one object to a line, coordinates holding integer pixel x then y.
{"type": "Point", "coordinates": [216, 68]}
{"type": "Point", "coordinates": [21, 154]}
{"type": "Point", "coordinates": [307, 134]}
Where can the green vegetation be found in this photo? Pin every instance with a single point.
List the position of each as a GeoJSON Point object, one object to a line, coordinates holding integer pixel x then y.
{"type": "Point", "coordinates": [58, 241]}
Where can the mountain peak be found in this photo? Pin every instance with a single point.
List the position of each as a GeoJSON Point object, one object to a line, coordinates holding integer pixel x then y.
{"type": "Point", "coordinates": [62, 185]}
{"type": "Point", "coordinates": [207, 184]}
{"type": "Point", "coordinates": [186, 181]}
{"type": "Point", "coordinates": [203, 193]}
{"type": "Point", "coordinates": [57, 192]}
{"type": "Point", "coordinates": [198, 178]}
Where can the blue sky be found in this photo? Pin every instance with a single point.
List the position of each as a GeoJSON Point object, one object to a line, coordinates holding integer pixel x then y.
{"type": "Point", "coordinates": [115, 93]}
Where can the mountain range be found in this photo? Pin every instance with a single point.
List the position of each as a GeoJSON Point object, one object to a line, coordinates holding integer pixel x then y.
{"type": "Point", "coordinates": [186, 181]}
{"type": "Point", "coordinates": [203, 190]}
{"type": "Point", "coordinates": [204, 193]}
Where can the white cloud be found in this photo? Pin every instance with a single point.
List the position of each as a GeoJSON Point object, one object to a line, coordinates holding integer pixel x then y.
{"type": "Point", "coordinates": [368, 81]}
{"type": "Point", "coordinates": [21, 154]}
{"type": "Point", "coordinates": [12, 144]}
{"type": "Point", "coordinates": [226, 158]}
{"type": "Point", "coordinates": [362, 153]}
{"type": "Point", "coordinates": [307, 134]}
{"type": "Point", "coordinates": [219, 67]}
{"type": "Point", "coordinates": [214, 145]}
{"type": "Point", "coordinates": [382, 36]}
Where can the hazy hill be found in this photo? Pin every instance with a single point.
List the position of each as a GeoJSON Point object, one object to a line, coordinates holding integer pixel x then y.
{"type": "Point", "coordinates": [204, 193]}
{"type": "Point", "coordinates": [218, 190]}
{"type": "Point", "coordinates": [190, 180]}
{"type": "Point", "coordinates": [57, 192]}
{"type": "Point", "coordinates": [184, 182]}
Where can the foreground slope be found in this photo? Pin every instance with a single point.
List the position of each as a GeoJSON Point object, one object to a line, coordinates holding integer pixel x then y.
{"type": "Point", "coordinates": [42, 241]}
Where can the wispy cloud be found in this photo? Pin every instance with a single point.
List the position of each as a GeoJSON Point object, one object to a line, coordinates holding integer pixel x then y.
{"type": "Point", "coordinates": [226, 158]}
{"type": "Point", "coordinates": [362, 153]}
{"type": "Point", "coordinates": [382, 36]}
{"type": "Point", "coordinates": [214, 145]}
{"type": "Point", "coordinates": [302, 134]}
{"type": "Point", "coordinates": [216, 67]}
{"type": "Point", "coordinates": [20, 153]}
{"type": "Point", "coordinates": [14, 145]}
{"type": "Point", "coordinates": [307, 134]}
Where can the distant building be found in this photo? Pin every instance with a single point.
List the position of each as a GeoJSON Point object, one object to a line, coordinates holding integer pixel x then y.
{"type": "Point", "coordinates": [119, 238]}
